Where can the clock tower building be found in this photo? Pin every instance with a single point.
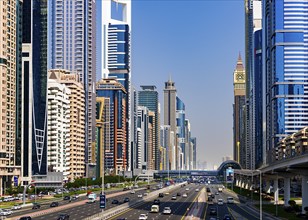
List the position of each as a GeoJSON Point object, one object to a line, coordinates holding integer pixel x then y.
{"type": "Point", "coordinates": [239, 84]}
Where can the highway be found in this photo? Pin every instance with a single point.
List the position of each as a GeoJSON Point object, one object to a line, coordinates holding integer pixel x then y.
{"type": "Point", "coordinates": [178, 206]}
{"type": "Point", "coordinates": [83, 210]}
{"type": "Point", "coordinates": [241, 209]}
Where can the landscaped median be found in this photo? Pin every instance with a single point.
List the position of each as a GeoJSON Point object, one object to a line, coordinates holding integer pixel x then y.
{"type": "Point", "coordinates": [124, 207]}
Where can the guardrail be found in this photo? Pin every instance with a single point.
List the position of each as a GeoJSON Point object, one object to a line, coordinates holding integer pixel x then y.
{"type": "Point", "coordinates": [124, 207]}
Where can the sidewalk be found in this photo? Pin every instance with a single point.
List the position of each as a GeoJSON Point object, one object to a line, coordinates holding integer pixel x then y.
{"type": "Point", "coordinates": [195, 212]}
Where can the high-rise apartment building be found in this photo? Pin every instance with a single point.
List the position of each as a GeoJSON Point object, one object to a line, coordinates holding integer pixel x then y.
{"type": "Point", "coordinates": [285, 64]}
{"type": "Point", "coordinates": [239, 151]}
{"type": "Point", "coordinates": [168, 142]}
{"type": "Point", "coordinates": [188, 148]}
{"type": "Point", "coordinates": [10, 48]}
{"type": "Point", "coordinates": [72, 46]}
{"type": "Point", "coordinates": [170, 110]}
{"type": "Point", "coordinates": [133, 130]}
{"type": "Point", "coordinates": [115, 145]}
{"type": "Point", "coordinates": [34, 106]}
{"type": "Point", "coordinates": [76, 139]}
{"type": "Point", "coordinates": [58, 149]}
{"type": "Point", "coordinates": [148, 97]}
{"type": "Point", "coordinates": [194, 160]}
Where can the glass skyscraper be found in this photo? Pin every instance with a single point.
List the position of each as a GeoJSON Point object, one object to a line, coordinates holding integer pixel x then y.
{"type": "Point", "coordinates": [285, 62]}
{"type": "Point", "coordinates": [180, 130]}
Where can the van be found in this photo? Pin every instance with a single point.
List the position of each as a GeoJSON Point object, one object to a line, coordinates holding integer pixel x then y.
{"type": "Point", "coordinates": [230, 200]}
{"type": "Point", "coordinates": [155, 208]}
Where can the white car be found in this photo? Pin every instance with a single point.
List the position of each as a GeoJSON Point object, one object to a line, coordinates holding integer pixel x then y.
{"type": "Point", "coordinates": [187, 189]}
{"type": "Point", "coordinates": [16, 207]}
{"type": "Point", "coordinates": [197, 190]}
{"type": "Point", "coordinates": [143, 217]}
{"type": "Point", "coordinates": [5, 212]}
{"type": "Point", "coordinates": [139, 195]}
{"type": "Point", "coordinates": [220, 202]}
{"type": "Point", "coordinates": [132, 192]}
{"type": "Point", "coordinates": [167, 211]}
{"type": "Point", "coordinates": [173, 197]}
{"type": "Point", "coordinates": [184, 195]}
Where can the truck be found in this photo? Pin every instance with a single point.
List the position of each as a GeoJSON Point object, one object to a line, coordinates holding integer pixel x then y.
{"type": "Point", "coordinates": [220, 189]}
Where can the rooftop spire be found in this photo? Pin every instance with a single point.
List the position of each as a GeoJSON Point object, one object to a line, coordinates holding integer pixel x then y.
{"type": "Point", "coordinates": [239, 64]}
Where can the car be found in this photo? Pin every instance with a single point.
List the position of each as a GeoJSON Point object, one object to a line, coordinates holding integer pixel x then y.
{"type": "Point", "coordinates": [126, 200]}
{"type": "Point", "coordinates": [154, 188]}
{"type": "Point", "coordinates": [67, 198]}
{"type": "Point", "coordinates": [25, 218]}
{"type": "Point", "coordinates": [220, 202]}
{"type": "Point", "coordinates": [161, 195]}
{"type": "Point", "coordinates": [167, 211]}
{"type": "Point", "coordinates": [36, 206]}
{"type": "Point", "coordinates": [63, 216]}
{"type": "Point", "coordinates": [184, 195]}
{"type": "Point", "coordinates": [54, 204]}
{"type": "Point", "coordinates": [187, 189]}
{"type": "Point", "coordinates": [132, 192]}
{"type": "Point", "coordinates": [76, 196]}
{"type": "Point", "coordinates": [167, 193]}
{"type": "Point", "coordinates": [5, 212]}
{"type": "Point", "coordinates": [213, 196]}
{"type": "Point", "coordinates": [178, 194]}
{"type": "Point", "coordinates": [197, 190]}
{"type": "Point", "coordinates": [213, 211]}
{"type": "Point", "coordinates": [139, 195]}
{"type": "Point", "coordinates": [216, 193]}
{"type": "Point", "coordinates": [16, 207]}
{"type": "Point", "coordinates": [227, 217]}
{"type": "Point", "coordinates": [173, 197]}
{"type": "Point", "coordinates": [145, 194]}
{"type": "Point", "coordinates": [155, 208]}
{"type": "Point", "coordinates": [156, 202]}
{"type": "Point", "coordinates": [115, 201]}
{"type": "Point", "coordinates": [143, 217]}
{"type": "Point", "coordinates": [230, 200]}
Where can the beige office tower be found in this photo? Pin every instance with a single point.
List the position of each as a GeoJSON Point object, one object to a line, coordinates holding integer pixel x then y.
{"type": "Point", "coordinates": [170, 113]}
{"type": "Point", "coordinates": [9, 156]}
{"type": "Point", "coordinates": [76, 162]}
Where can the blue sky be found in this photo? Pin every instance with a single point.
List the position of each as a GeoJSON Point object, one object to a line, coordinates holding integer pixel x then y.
{"type": "Point", "coordinates": [197, 43]}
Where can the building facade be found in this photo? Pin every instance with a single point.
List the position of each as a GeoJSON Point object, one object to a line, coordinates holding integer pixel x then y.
{"type": "Point", "coordinates": [10, 72]}
{"type": "Point", "coordinates": [76, 163]}
{"type": "Point", "coordinates": [34, 105]}
{"type": "Point", "coordinates": [194, 161]}
{"type": "Point", "coordinates": [239, 152]}
{"type": "Point", "coordinates": [148, 97]}
{"type": "Point", "coordinates": [115, 144]}
{"type": "Point", "coordinates": [72, 46]}
{"type": "Point", "coordinates": [285, 64]}
{"type": "Point", "coordinates": [58, 156]}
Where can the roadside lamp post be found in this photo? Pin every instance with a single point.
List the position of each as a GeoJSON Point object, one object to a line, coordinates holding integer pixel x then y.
{"type": "Point", "coordinates": [260, 193]}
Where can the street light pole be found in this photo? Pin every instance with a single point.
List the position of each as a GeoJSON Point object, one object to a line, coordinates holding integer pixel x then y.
{"type": "Point", "coordinates": [260, 193]}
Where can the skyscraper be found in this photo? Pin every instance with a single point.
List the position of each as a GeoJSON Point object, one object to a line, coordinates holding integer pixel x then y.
{"type": "Point", "coordinates": [34, 63]}
{"type": "Point", "coordinates": [239, 153]}
{"type": "Point", "coordinates": [180, 128]}
{"type": "Point", "coordinates": [10, 115]}
{"type": "Point", "coordinates": [285, 64]}
{"type": "Point", "coordinates": [253, 23]}
{"type": "Point", "coordinates": [194, 143]}
{"type": "Point", "coordinates": [115, 49]}
{"type": "Point", "coordinates": [71, 46]}
{"type": "Point", "coordinates": [148, 97]}
{"type": "Point", "coordinates": [115, 118]}
{"type": "Point", "coordinates": [170, 110]}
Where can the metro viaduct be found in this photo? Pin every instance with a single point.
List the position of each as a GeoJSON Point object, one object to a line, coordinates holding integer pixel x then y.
{"type": "Point", "coordinates": [285, 168]}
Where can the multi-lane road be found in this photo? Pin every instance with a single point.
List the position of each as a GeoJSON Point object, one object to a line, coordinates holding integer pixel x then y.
{"type": "Point", "coordinates": [179, 207]}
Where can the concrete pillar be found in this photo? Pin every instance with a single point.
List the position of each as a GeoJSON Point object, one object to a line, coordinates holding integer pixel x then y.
{"type": "Point", "coordinates": [267, 186]}
{"type": "Point", "coordinates": [246, 185]}
{"type": "Point", "coordinates": [276, 191]}
{"type": "Point", "coordinates": [286, 196]}
{"type": "Point", "coordinates": [240, 183]}
{"type": "Point", "coordinates": [236, 182]}
{"type": "Point", "coordinates": [304, 193]}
